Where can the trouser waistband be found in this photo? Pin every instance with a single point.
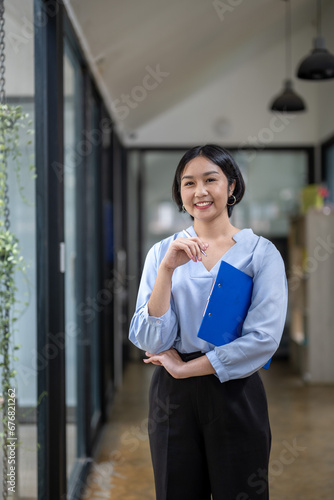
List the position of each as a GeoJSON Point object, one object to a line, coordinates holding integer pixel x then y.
{"type": "Point", "coordinates": [188, 356]}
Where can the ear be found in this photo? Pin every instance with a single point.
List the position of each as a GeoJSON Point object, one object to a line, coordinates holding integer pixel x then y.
{"type": "Point", "coordinates": [232, 187]}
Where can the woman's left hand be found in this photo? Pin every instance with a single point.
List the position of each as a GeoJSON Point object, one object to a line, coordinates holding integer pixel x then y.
{"type": "Point", "coordinates": [170, 360]}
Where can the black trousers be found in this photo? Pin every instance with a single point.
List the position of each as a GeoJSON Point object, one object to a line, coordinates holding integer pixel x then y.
{"type": "Point", "coordinates": [209, 438]}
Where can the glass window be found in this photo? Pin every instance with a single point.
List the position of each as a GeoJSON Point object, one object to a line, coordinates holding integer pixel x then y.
{"type": "Point", "coordinates": [93, 282]}
{"type": "Point", "coordinates": [329, 171]}
{"type": "Point", "coordinates": [273, 182]}
{"type": "Point", "coordinates": [72, 164]}
{"type": "Point", "coordinates": [161, 216]}
{"type": "Point", "coordinates": [19, 76]}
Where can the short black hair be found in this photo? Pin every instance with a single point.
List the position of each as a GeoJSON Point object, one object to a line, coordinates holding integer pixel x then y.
{"type": "Point", "coordinates": [220, 157]}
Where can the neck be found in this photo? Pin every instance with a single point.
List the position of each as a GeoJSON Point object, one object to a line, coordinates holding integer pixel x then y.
{"type": "Point", "coordinates": [215, 229]}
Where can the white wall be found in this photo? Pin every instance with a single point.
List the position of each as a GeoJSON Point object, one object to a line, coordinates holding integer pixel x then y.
{"type": "Point", "coordinates": [19, 39]}
{"type": "Point", "coordinates": [256, 78]}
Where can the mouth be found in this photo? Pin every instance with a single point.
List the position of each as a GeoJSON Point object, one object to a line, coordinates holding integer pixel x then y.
{"type": "Point", "coordinates": [203, 204]}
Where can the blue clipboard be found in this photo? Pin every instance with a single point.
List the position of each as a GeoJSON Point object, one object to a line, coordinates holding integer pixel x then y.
{"type": "Point", "coordinates": [227, 306]}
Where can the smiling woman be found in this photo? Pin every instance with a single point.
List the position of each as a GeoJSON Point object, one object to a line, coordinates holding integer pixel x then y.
{"type": "Point", "coordinates": [205, 190]}
{"type": "Point", "coordinates": [216, 432]}
{"type": "Point", "coordinates": [219, 167]}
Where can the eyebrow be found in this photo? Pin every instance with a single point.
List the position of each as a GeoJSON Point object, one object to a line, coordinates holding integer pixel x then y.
{"type": "Point", "coordinates": [206, 173]}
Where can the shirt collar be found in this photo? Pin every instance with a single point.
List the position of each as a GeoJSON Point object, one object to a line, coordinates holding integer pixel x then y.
{"type": "Point", "coordinates": [199, 271]}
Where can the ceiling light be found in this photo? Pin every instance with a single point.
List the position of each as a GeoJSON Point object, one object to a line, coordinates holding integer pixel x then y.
{"type": "Point", "coordinates": [319, 65]}
{"type": "Point", "coordinates": [288, 101]}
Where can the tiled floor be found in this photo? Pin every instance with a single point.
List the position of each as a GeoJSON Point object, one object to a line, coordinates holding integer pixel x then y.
{"type": "Point", "coordinates": [302, 457]}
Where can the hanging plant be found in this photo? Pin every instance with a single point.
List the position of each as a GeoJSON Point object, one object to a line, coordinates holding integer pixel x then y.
{"type": "Point", "coordinates": [12, 123]}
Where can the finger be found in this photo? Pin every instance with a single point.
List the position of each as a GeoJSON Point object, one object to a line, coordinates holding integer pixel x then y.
{"type": "Point", "coordinates": [188, 248]}
{"type": "Point", "coordinates": [196, 249]}
{"type": "Point", "coordinates": [153, 361]}
{"type": "Point", "coordinates": [152, 356]}
{"type": "Point", "coordinates": [201, 243]}
{"type": "Point", "coordinates": [199, 246]}
{"type": "Point", "coordinates": [160, 353]}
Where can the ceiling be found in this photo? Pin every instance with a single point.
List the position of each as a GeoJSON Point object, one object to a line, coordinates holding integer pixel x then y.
{"type": "Point", "coordinates": [191, 41]}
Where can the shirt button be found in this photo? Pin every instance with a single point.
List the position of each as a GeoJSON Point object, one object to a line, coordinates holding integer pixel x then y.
{"type": "Point", "coordinates": [158, 321]}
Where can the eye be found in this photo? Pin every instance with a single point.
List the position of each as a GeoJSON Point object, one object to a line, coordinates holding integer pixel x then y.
{"type": "Point", "coordinates": [210, 180]}
{"type": "Point", "coordinates": [188, 183]}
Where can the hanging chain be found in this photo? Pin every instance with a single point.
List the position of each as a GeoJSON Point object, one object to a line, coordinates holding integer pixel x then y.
{"type": "Point", "coordinates": [5, 332]}
{"type": "Point", "coordinates": [2, 52]}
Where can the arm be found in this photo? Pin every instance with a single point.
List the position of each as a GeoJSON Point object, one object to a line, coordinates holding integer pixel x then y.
{"type": "Point", "coordinates": [178, 368]}
{"type": "Point", "coordinates": [263, 326]}
{"type": "Point", "coordinates": [154, 325]}
{"type": "Point", "coordinates": [149, 332]}
{"type": "Point", "coordinates": [159, 301]}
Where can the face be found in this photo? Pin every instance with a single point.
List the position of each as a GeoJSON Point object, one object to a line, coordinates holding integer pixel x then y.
{"type": "Point", "coordinates": [204, 189]}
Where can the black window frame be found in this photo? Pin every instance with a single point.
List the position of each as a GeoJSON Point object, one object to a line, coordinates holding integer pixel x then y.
{"type": "Point", "coordinates": [50, 42]}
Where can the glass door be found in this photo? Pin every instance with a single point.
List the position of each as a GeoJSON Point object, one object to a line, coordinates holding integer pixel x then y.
{"type": "Point", "coordinates": [72, 159]}
{"type": "Point", "coordinates": [94, 291]}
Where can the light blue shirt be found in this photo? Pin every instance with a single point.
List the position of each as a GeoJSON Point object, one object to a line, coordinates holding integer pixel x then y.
{"type": "Point", "coordinates": [191, 284]}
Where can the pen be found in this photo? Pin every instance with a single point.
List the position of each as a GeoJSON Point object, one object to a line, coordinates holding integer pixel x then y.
{"type": "Point", "coordinates": [188, 235]}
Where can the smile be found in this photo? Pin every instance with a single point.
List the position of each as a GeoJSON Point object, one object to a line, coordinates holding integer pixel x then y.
{"type": "Point", "coordinates": [203, 204]}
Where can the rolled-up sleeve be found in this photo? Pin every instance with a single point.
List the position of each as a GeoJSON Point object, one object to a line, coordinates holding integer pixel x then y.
{"type": "Point", "coordinates": [263, 327]}
{"type": "Point", "coordinates": [150, 333]}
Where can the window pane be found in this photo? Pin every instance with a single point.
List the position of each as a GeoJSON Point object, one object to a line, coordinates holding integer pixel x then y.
{"type": "Point", "coordinates": [72, 128]}
{"type": "Point", "coordinates": [273, 182]}
{"type": "Point", "coordinates": [94, 326]}
{"type": "Point", "coordinates": [161, 215]}
{"type": "Point", "coordinates": [19, 76]}
{"type": "Point", "coordinates": [329, 171]}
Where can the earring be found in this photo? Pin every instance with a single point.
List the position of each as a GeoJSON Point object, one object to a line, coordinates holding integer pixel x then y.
{"type": "Point", "coordinates": [183, 209]}
{"type": "Point", "coordinates": [234, 201]}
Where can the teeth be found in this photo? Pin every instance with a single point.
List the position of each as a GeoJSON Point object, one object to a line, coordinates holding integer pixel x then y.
{"type": "Point", "coordinates": [204, 203]}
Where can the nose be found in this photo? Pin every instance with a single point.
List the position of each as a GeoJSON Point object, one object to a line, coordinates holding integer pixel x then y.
{"type": "Point", "coordinates": [201, 189]}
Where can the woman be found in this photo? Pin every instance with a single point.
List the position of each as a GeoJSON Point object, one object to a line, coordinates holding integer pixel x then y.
{"type": "Point", "coordinates": [208, 423]}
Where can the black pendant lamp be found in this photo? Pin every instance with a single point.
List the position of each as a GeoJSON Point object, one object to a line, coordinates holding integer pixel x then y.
{"type": "Point", "coordinates": [288, 101]}
{"type": "Point", "coordinates": [319, 65]}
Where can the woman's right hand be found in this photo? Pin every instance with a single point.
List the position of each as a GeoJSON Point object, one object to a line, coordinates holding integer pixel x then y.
{"type": "Point", "coordinates": [182, 250]}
